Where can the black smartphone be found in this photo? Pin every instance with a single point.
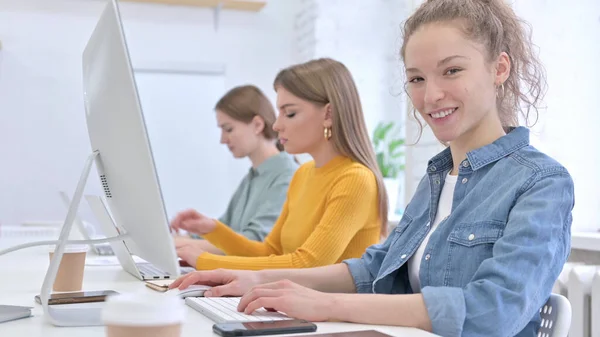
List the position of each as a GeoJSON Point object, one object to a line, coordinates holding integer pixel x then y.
{"type": "Point", "coordinates": [365, 333]}
{"type": "Point", "coordinates": [263, 328]}
{"type": "Point", "coordinates": [77, 297]}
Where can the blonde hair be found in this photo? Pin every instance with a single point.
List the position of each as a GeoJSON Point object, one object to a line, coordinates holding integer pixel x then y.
{"type": "Point", "coordinates": [324, 81]}
{"type": "Point", "coordinates": [245, 102]}
{"type": "Point", "coordinates": [495, 25]}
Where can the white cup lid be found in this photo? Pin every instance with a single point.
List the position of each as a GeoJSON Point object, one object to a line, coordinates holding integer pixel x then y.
{"type": "Point", "coordinates": [143, 309]}
{"type": "Point", "coordinates": [71, 248]}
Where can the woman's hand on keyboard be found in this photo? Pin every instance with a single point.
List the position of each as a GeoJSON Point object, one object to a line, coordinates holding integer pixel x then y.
{"type": "Point", "coordinates": [289, 298]}
{"type": "Point", "coordinates": [223, 282]}
{"type": "Point", "coordinates": [193, 222]}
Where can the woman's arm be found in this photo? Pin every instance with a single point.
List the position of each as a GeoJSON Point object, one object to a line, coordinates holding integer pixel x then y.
{"type": "Point", "coordinates": [304, 303]}
{"type": "Point", "coordinates": [346, 213]}
{"type": "Point", "coordinates": [334, 278]}
{"type": "Point", "coordinates": [236, 244]}
{"type": "Point", "coordinates": [208, 247]}
{"type": "Point", "coordinates": [202, 245]}
{"type": "Point", "coordinates": [402, 310]}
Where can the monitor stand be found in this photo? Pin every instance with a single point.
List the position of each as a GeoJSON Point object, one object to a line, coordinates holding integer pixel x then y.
{"type": "Point", "coordinates": [83, 314]}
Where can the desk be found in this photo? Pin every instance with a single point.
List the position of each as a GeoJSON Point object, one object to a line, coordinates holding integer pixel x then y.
{"type": "Point", "coordinates": [23, 273]}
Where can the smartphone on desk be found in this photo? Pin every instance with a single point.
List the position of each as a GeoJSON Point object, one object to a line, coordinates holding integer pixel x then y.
{"type": "Point", "coordinates": [263, 328]}
{"type": "Point", "coordinates": [77, 297]}
{"type": "Point", "coordinates": [365, 333]}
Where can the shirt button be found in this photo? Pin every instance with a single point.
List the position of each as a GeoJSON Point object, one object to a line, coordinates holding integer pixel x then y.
{"type": "Point", "coordinates": [466, 163]}
{"type": "Point", "coordinates": [471, 237]}
{"type": "Point", "coordinates": [403, 256]}
{"type": "Point", "coordinates": [437, 181]}
{"type": "Point", "coordinates": [464, 181]}
{"type": "Point", "coordinates": [427, 257]}
{"type": "Point", "coordinates": [432, 168]}
{"type": "Point", "coordinates": [427, 224]}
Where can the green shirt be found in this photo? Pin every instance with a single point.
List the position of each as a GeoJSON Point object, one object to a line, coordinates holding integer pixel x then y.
{"type": "Point", "coordinates": [257, 202]}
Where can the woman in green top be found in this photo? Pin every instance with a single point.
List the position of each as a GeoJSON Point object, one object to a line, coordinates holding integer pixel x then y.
{"type": "Point", "coordinates": [245, 116]}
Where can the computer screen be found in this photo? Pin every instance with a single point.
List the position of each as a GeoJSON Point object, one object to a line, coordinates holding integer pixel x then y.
{"type": "Point", "coordinates": [117, 130]}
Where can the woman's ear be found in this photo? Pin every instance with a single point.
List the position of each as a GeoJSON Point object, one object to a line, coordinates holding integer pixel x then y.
{"type": "Point", "coordinates": [258, 124]}
{"type": "Point", "coordinates": [502, 69]}
{"type": "Point", "coordinates": [328, 121]}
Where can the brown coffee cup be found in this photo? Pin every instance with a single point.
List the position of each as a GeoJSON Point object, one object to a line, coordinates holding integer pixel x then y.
{"type": "Point", "coordinates": [70, 271]}
{"type": "Point", "coordinates": [147, 314]}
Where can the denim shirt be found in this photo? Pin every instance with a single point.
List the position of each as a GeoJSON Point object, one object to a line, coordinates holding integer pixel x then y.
{"type": "Point", "coordinates": [491, 264]}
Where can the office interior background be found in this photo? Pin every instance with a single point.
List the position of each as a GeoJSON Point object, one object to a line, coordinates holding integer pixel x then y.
{"type": "Point", "coordinates": [186, 57]}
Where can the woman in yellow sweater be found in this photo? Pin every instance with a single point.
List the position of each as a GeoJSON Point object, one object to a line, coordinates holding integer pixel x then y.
{"type": "Point", "coordinates": [336, 204]}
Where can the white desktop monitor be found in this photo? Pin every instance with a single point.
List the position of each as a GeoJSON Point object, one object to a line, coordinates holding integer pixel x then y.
{"type": "Point", "coordinates": [117, 130]}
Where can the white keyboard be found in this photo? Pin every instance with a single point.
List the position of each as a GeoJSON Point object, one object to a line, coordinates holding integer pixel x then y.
{"type": "Point", "coordinates": [224, 309]}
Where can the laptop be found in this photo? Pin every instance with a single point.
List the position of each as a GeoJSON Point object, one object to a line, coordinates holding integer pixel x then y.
{"type": "Point", "coordinates": [143, 270]}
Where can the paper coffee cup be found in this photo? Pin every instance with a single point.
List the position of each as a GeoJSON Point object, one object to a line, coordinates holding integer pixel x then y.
{"type": "Point", "coordinates": [146, 314]}
{"type": "Point", "coordinates": [70, 271]}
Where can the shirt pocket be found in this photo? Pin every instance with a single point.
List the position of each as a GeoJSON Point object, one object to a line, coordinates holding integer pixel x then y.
{"type": "Point", "coordinates": [469, 245]}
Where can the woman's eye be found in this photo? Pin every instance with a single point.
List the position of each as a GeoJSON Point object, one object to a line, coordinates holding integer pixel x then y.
{"type": "Point", "coordinates": [416, 79]}
{"type": "Point", "coordinates": [453, 71]}
{"type": "Point", "coordinates": [290, 114]}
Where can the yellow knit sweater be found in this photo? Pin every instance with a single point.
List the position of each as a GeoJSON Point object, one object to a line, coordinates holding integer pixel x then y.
{"type": "Point", "coordinates": [331, 213]}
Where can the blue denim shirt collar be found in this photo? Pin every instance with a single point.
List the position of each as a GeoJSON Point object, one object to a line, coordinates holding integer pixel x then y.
{"type": "Point", "coordinates": [515, 139]}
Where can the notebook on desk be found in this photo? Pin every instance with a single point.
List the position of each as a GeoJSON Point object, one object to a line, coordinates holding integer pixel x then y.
{"type": "Point", "coordinates": [13, 312]}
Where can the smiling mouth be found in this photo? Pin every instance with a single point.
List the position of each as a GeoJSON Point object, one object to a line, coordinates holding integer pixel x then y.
{"type": "Point", "coordinates": [443, 113]}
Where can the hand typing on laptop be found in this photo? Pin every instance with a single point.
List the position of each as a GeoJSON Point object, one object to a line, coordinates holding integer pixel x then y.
{"type": "Point", "coordinates": [188, 249]}
{"type": "Point", "coordinates": [193, 222]}
{"type": "Point", "coordinates": [189, 254]}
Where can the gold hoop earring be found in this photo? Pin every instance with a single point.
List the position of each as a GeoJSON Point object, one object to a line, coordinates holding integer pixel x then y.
{"type": "Point", "coordinates": [327, 133]}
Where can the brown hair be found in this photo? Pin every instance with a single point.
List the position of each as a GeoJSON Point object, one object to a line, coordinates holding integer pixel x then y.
{"type": "Point", "coordinates": [494, 24]}
{"type": "Point", "coordinates": [326, 81]}
{"type": "Point", "coordinates": [245, 102]}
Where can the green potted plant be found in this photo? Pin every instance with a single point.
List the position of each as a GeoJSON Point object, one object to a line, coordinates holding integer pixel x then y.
{"type": "Point", "coordinates": [389, 150]}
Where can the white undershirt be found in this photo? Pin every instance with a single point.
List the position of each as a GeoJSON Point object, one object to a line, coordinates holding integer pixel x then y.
{"type": "Point", "coordinates": [444, 209]}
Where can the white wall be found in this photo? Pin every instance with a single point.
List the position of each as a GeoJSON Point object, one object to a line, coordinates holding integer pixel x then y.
{"type": "Point", "coordinates": [365, 36]}
{"type": "Point", "coordinates": [43, 137]}
{"type": "Point", "coordinates": [568, 36]}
